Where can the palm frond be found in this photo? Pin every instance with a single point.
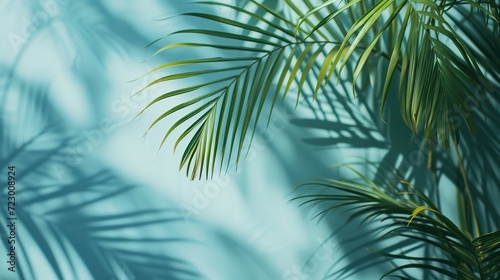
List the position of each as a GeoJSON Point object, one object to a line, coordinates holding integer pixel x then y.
{"type": "Point", "coordinates": [276, 51]}
{"type": "Point", "coordinates": [488, 248]}
{"type": "Point", "coordinates": [408, 214]}
{"type": "Point", "coordinates": [439, 74]}
{"type": "Point", "coordinates": [260, 65]}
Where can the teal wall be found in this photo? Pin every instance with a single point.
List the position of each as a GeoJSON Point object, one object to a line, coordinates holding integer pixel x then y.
{"type": "Point", "coordinates": [98, 201]}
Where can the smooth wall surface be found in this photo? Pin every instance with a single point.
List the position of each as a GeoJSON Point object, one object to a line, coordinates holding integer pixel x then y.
{"type": "Point", "coordinates": [96, 200]}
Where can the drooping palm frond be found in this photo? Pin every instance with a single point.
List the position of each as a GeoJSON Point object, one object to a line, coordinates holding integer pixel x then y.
{"type": "Point", "coordinates": [408, 214]}
{"type": "Point", "coordinates": [440, 76]}
{"type": "Point", "coordinates": [261, 62]}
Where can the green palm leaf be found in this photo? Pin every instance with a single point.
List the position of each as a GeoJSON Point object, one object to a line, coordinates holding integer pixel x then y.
{"type": "Point", "coordinates": [440, 76]}
{"type": "Point", "coordinates": [409, 214]}
{"type": "Point", "coordinates": [263, 62]}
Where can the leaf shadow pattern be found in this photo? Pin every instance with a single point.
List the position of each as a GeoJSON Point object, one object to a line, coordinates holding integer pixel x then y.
{"type": "Point", "coordinates": [79, 41]}
{"type": "Point", "coordinates": [240, 251]}
{"type": "Point", "coordinates": [480, 152]}
{"type": "Point", "coordinates": [75, 227]}
{"type": "Point", "coordinates": [357, 257]}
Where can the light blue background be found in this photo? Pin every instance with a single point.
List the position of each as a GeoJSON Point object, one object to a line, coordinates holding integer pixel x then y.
{"type": "Point", "coordinates": [97, 201]}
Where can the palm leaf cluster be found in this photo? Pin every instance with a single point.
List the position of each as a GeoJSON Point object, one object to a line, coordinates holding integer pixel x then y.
{"type": "Point", "coordinates": [439, 75]}
{"type": "Point", "coordinates": [238, 69]}
{"type": "Point", "coordinates": [408, 214]}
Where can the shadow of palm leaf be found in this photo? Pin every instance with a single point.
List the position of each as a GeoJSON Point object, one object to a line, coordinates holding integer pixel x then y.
{"type": "Point", "coordinates": [480, 154]}
{"type": "Point", "coordinates": [81, 227]}
{"type": "Point", "coordinates": [87, 223]}
{"type": "Point", "coordinates": [358, 258]}
{"type": "Point", "coordinates": [241, 252]}
{"type": "Point", "coordinates": [346, 131]}
{"type": "Point", "coordinates": [481, 151]}
{"type": "Point", "coordinates": [103, 241]}
{"type": "Point", "coordinates": [80, 39]}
